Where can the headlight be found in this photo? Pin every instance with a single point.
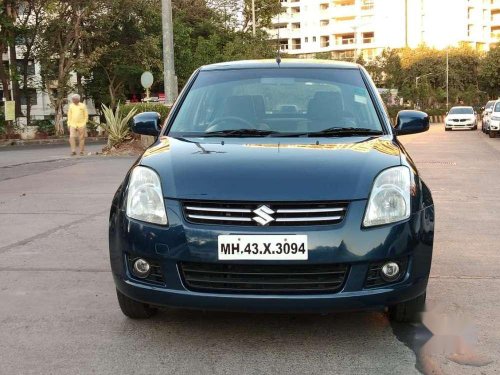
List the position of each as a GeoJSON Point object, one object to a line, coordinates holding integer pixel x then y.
{"type": "Point", "coordinates": [145, 198]}
{"type": "Point", "coordinates": [390, 197]}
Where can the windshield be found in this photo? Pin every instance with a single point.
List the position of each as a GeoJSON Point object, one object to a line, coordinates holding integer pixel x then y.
{"type": "Point", "coordinates": [286, 101]}
{"type": "Point", "coordinates": [461, 111]}
{"type": "Point", "coordinates": [489, 104]}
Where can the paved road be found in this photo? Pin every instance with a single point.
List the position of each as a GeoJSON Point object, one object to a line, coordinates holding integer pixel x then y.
{"type": "Point", "coordinates": [59, 315]}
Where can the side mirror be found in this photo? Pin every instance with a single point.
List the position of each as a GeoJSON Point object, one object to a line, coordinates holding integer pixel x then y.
{"type": "Point", "coordinates": [147, 123]}
{"type": "Point", "coordinates": [411, 122]}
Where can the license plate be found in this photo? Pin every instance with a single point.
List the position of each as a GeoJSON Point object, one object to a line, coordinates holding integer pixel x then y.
{"type": "Point", "coordinates": [267, 247]}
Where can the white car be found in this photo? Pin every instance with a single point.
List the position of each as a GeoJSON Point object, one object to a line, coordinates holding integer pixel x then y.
{"type": "Point", "coordinates": [461, 118]}
{"type": "Point", "coordinates": [488, 108]}
{"type": "Point", "coordinates": [494, 120]}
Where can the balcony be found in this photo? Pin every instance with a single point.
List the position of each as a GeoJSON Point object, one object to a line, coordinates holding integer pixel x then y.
{"type": "Point", "coordinates": [296, 44]}
{"type": "Point", "coordinates": [345, 39]}
{"type": "Point", "coordinates": [324, 41]}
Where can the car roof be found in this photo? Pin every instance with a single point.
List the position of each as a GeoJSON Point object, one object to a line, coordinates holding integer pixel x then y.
{"type": "Point", "coordinates": [462, 106]}
{"type": "Point", "coordinates": [285, 63]}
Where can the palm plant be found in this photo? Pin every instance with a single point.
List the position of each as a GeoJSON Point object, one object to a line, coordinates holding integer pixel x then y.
{"type": "Point", "coordinates": [117, 125]}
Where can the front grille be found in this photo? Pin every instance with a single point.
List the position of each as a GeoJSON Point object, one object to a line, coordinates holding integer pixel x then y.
{"type": "Point", "coordinates": [155, 276]}
{"type": "Point", "coordinates": [261, 279]}
{"type": "Point", "coordinates": [271, 214]}
{"type": "Point", "coordinates": [374, 277]}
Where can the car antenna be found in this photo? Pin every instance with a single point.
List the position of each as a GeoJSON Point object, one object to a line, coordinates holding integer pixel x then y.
{"type": "Point", "coordinates": [278, 51]}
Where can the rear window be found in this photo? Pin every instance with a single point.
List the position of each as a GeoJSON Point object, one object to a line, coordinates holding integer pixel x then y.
{"type": "Point", "coordinates": [461, 111]}
{"type": "Point", "coordinates": [281, 100]}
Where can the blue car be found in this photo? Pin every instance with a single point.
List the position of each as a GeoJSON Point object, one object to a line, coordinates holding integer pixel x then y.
{"type": "Point", "coordinates": [274, 186]}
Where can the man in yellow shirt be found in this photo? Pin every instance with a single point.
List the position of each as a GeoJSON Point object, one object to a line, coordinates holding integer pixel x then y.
{"type": "Point", "coordinates": [77, 123]}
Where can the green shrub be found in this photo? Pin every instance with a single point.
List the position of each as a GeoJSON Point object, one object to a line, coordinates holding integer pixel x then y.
{"type": "Point", "coordinates": [162, 109]}
{"type": "Point", "coordinates": [117, 124]}
{"type": "Point", "coordinates": [45, 126]}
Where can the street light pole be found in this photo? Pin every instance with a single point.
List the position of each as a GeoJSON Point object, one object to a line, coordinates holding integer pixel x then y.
{"type": "Point", "coordinates": [170, 79]}
{"type": "Point", "coordinates": [447, 80]}
{"type": "Point", "coordinates": [253, 17]}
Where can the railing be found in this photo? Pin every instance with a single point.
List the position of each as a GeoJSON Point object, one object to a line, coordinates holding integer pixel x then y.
{"type": "Point", "coordinates": [347, 41]}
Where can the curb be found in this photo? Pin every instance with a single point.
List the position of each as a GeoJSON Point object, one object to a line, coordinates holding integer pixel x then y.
{"type": "Point", "coordinates": [53, 141]}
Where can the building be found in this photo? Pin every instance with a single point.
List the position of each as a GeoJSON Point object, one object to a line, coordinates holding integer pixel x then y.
{"type": "Point", "coordinates": [495, 22]}
{"type": "Point", "coordinates": [349, 28]}
{"type": "Point", "coordinates": [40, 102]}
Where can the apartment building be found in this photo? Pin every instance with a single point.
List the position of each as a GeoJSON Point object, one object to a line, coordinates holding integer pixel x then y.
{"type": "Point", "coordinates": [349, 28]}
{"type": "Point", "coordinates": [40, 102]}
{"type": "Point", "coordinates": [495, 22]}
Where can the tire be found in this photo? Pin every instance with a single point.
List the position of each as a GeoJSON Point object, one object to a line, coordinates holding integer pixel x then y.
{"type": "Point", "coordinates": [408, 311]}
{"type": "Point", "coordinates": [492, 134]}
{"type": "Point", "coordinates": [475, 127]}
{"type": "Point", "coordinates": [134, 309]}
{"type": "Point", "coordinates": [447, 129]}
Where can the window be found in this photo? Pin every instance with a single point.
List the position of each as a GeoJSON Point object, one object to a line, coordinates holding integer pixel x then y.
{"type": "Point", "coordinates": [324, 41]}
{"type": "Point", "coordinates": [324, 23]}
{"type": "Point", "coordinates": [21, 65]}
{"type": "Point", "coordinates": [314, 39]}
{"type": "Point", "coordinates": [368, 38]}
{"type": "Point", "coordinates": [306, 39]}
{"type": "Point", "coordinates": [461, 111]}
{"type": "Point", "coordinates": [282, 100]}
{"type": "Point", "coordinates": [32, 95]}
{"type": "Point", "coordinates": [296, 43]}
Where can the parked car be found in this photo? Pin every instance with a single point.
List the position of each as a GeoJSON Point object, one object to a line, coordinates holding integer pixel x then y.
{"type": "Point", "coordinates": [494, 120]}
{"type": "Point", "coordinates": [241, 206]}
{"type": "Point", "coordinates": [463, 117]}
{"type": "Point", "coordinates": [488, 108]}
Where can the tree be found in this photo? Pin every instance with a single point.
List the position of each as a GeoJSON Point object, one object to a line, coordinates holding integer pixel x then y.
{"type": "Point", "coordinates": [8, 15]}
{"type": "Point", "coordinates": [59, 47]}
{"type": "Point", "coordinates": [28, 26]}
{"type": "Point", "coordinates": [265, 11]}
{"type": "Point", "coordinates": [489, 73]}
{"type": "Point", "coordinates": [125, 42]}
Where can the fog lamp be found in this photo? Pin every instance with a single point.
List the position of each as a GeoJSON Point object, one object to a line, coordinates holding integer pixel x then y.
{"type": "Point", "coordinates": [141, 268]}
{"type": "Point", "coordinates": [390, 271]}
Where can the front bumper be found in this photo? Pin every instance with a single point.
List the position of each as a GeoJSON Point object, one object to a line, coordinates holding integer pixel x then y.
{"type": "Point", "coordinates": [494, 125]}
{"type": "Point", "coordinates": [344, 243]}
{"type": "Point", "coordinates": [460, 125]}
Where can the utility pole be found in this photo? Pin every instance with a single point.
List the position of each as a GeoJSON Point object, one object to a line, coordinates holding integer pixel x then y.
{"type": "Point", "coordinates": [447, 80]}
{"type": "Point", "coordinates": [253, 17]}
{"type": "Point", "coordinates": [170, 79]}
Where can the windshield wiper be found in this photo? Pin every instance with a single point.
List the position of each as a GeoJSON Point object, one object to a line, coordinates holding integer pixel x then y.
{"type": "Point", "coordinates": [240, 133]}
{"type": "Point", "coordinates": [339, 131]}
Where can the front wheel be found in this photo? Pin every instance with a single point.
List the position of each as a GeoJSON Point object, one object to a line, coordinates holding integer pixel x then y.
{"type": "Point", "coordinates": [447, 129]}
{"type": "Point", "coordinates": [407, 311]}
{"type": "Point", "coordinates": [134, 309]}
{"type": "Point", "coordinates": [492, 134]}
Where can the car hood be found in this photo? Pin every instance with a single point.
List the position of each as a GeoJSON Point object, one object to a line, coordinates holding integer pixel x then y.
{"type": "Point", "coordinates": [460, 117]}
{"type": "Point", "coordinates": [270, 169]}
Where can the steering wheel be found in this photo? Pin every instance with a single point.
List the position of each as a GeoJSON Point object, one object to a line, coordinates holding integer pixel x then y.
{"type": "Point", "coordinates": [215, 125]}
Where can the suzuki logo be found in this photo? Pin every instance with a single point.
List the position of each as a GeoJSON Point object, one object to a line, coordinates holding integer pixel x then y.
{"type": "Point", "coordinates": [263, 215]}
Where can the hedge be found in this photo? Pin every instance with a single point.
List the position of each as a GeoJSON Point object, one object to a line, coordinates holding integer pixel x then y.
{"type": "Point", "coordinates": [162, 109]}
